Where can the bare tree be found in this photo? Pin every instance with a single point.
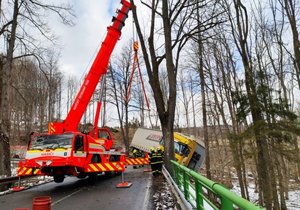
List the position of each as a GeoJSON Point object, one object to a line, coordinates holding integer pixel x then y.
{"type": "Point", "coordinates": [16, 36]}
{"type": "Point", "coordinates": [179, 25]}
{"type": "Point", "coordinates": [119, 77]}
{"type": "Point", "coordinates": [6, 70]}
{"type": "Point", "coordinates": [184, 98]}
{"type": "Point", "coordinates": [72, 86]}
{"type": "Point", "coordinates": [291, 10]}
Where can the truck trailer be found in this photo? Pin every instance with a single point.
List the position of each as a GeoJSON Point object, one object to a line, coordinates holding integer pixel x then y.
{"type": "Point", "coordinates": [189, 151]}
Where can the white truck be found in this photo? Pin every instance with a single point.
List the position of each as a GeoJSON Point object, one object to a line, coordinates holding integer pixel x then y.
{"type": "Point", "coordinates": [189, 151]}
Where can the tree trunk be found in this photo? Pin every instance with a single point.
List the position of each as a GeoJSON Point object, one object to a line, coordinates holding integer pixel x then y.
{"type": "Point", "coordinates": [193, 111]}
{"type": "Point", "coordinates": [290, 9]}
{"type": "Point", "coordinates": [258, 121]}
{"type": "Point", "coordinates": [204, 113]}
{"type": "Point", "coordinates": [236, 143]}
{"type": "Point", "coordinates": [280, 168]}
{"type": "Point", "coordinates": [168, 133]}
{"type": "Point", "coordinates": [5, 99]}
{"type": "Point", "coordinates": [120, 111]}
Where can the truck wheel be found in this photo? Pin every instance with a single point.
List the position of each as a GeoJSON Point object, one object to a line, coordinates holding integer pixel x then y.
{"type": "Point", "coordinates": [81, 175]}
{"type": "Point", "coordinates": [109, 174]}
{"type": "Point", "coordinates": [95, 159]}
{"type": "Point", "coordinates": [93, 176]}
{"type": "Point", "coordinates": [59, 178]}
{"type": "Point", "coordinates": [114, 158]}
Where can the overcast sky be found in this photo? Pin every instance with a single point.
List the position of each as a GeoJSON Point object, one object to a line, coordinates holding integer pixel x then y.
{"type": "Point", "coordinates": [79, 43]}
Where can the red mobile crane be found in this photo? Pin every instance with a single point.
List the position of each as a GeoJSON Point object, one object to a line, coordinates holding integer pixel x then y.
{"type": "Point", "coordinates": [66, 151]}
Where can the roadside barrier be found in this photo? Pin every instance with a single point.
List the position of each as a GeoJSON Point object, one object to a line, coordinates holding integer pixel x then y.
{"type": "Point", "coordinates": [23, 171]}
{"type": "Point", "coordinates": [137, 161]}
{"type": "Point", "coordinates": [104, 167]}
{"type": "Point", "coordinates": [13, 180]}
{"type": "Point", "coordinates": [196, 188]}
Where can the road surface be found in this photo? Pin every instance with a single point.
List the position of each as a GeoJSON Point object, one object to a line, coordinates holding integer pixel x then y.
{"type": "Point", "coordinates": [79, 194]}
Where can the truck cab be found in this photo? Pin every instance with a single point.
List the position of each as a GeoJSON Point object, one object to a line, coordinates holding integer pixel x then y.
{"type": "Point", "coordinates": [188, 151]}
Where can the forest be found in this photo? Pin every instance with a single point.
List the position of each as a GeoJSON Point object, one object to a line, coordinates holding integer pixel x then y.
{"type": "Point", "coordinates": [226, 71]}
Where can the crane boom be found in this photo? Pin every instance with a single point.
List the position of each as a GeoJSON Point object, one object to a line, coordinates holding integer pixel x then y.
{"type": "Point", "coordinates": [98, 68]}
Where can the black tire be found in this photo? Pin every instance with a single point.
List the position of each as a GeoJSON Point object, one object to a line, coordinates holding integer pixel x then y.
{"type": "Point", "coordinates": [109, 174]}
{"type": "Point", "coordinates": [81, 175]}
{"type": "Point", "coordinates": [114, 158]}
{"type": "Point", "coordinates": [59, 178]}
{"type": "Point", "coordinates": [95, 159]}
{"type": "Point", "coordinates": [93, 176]}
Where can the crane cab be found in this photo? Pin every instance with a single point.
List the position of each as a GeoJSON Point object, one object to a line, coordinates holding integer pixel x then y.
{"type": "Point", "coordinates": [103, 136]}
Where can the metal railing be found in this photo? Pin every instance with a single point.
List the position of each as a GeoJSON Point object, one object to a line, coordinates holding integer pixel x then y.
{"type": "Point", "coordinates": [198, 190]}
{"type": "Point", "coordinates": [8, 180]}
{"type": "Point", "coordinates": [14, 179]}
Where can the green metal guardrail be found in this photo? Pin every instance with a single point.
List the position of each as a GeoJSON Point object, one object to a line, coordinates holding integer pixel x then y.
{"type": "Point", "coordinates": [195, 186]}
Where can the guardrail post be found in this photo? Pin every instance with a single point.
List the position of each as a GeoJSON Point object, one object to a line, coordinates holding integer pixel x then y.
{"type": "Point", "coordinates": [186, 183]}
{"type": "Point", "coordinates": [175, 173]}
{"type": "Point", "coordinates": [226, 204]}
{"type": "Point", "coordinates": [199, 195]}
{"type": "Point", "coordinates": [180, 178]}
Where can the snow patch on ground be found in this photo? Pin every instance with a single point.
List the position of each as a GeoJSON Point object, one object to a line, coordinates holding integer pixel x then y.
{"type": "Point", "coordinates": [251, 189]}
{"type": "Point", "coordinates": [294, 200]}
{"type": "Point", "coordinates": [163, 199]}
{"type": "Point", "coordinates": [5, 192]}
{"type": "Point", "coordinates": [14, 167]}
{"type": "Point", "coordinates": [292, 204]}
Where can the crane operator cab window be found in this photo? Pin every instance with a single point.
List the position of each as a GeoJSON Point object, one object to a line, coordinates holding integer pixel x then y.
{"type": "Point", "coordinates": [79, 144]}
{"type": "Point", "coordinates": [103, 135]}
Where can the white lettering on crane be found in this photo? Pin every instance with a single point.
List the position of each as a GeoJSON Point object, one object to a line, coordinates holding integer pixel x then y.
{"type": "Point", "coordinates": [47, 154]}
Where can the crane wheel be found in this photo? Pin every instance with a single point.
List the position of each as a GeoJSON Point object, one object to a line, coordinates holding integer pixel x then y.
{"type": "Point", "coordinates": [96, 159]}
{"type": "Point", "coordinates": [59, 178]}
{"type": "Point", "coordinates": [93, 176]}
{"type": "Point", "coordinates": [81, 175]}
{"type": "Point", "coordinates": [109, 174]}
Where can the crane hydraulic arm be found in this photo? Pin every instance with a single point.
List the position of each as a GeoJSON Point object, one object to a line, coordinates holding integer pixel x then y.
{"type": "Point", "coordinates": [98, 68]}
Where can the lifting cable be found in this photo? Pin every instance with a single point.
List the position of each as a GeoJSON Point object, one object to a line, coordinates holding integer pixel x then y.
{"type": "Point", "coordinates": [134, 65]}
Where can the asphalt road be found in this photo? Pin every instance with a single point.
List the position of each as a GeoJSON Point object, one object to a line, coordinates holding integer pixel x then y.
{"type": "Point", "coordinates": [79, 194]}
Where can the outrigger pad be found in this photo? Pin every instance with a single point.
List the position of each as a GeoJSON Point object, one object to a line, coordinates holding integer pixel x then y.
{"type": "Point", "coordinates": [17, 189]}
{"type": "Point", "coordinates": [124, 185]}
